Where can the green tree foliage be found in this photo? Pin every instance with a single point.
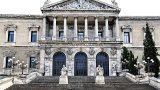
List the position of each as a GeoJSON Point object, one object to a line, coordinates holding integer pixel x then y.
{"type": "Point", "coordinates": [150, 51]}
{"type": "Point", "coordinates": [128, 61]}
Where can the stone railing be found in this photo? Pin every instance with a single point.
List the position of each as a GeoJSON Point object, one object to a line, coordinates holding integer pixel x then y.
{"type": "Point", "coordinates": [5, 83]}
{"type": "Point", "coordinates": [31, 77]}
{"type": "Point", "coordinates": [155, 82]}
{"type": "Point", "coordinates": [112, 39]}
{"type": "Point", "coordinates": [138, 78]}
{"type": "Point", "coordinates": [131, 77]}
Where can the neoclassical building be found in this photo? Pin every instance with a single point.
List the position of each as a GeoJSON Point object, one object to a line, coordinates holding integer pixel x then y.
{"type": "Point", "coordinates": [80, 34]}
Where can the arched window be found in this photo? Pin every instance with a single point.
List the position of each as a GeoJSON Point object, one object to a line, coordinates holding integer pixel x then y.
{"type": "Point", "coordinates": [102, 59]}
{"type": "Point", "coordinates": [59, 59]}
{"type": "Point", "coordinates": [80, 64]}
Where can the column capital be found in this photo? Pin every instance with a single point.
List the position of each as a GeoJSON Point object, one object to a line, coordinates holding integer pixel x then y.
{"type": "Point", "coordinates": [86, 16]}
{"type": "Point", "coordinates": [54, 16]}
{"type": "Point", "coordinates": [106, 17]}
{"type": "Point", "coordinates": [96, 17]}
{"type": "Point", "coordinates": [75, 16]}
{"type": "Point", "coordinates": [65, 16]}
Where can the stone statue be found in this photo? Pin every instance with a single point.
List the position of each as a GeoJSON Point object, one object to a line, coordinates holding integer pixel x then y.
{"type": "Point", "coordinates": [100, 78]}
{"type": "Point", "coordinates": [114, 3]}
{"type": "Point", "coordinates": [100, 71]}
{"type": "Point", "coordinates": [63, 79]}
{"type": "Point", "coordinates": [64, 71]}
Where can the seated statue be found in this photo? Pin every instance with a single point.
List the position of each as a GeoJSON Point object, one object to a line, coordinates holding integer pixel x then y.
{"type": "Point", "coordinates": [100, 71]}
{"type": "Point", "coordinates": [64, 71]}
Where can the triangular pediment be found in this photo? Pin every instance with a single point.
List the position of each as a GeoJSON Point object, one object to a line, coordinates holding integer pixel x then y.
{"type": "Point", "coordinates": [79, 5]}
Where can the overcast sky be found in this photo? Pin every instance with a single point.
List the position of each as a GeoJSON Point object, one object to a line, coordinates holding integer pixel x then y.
{"type": "Point", "coordinates": [128, 7]}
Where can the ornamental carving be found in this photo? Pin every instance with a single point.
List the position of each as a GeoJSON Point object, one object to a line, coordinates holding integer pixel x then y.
{"type": "Point", "coordinates": [48, 51]}
{"type": "Point", "coordinates": [32, 53]}
{"type": "Point", "coordinates": [80, 5]}
{"type": "Point", "coordinates": [151, 28]}
{"type": "Point", "coordinates": [91, 51]}
{"type": "Point", "coordinates": [113, 51]}
{"type": "Point", "coordinates": [9, 53]}
{"type": "Point", "coordinates": [70, 51]}
{"type": "Point", "coordinates": [13, 26]}
{"type": "Point", "coordinates": [128, 27]}
{"type": "Point", "coordinates": [33, 26]}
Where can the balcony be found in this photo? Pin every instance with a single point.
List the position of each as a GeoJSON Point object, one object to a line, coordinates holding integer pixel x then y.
{"type": "Point", "coordinates": [76, 39]}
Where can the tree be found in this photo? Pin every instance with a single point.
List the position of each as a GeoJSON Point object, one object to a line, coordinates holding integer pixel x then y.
{"type": "Point", "coordinates": [128, 61]}
{"type": "Point", "coordinates": [132, 62]}
{"type": "Point", "coordinates": [150, 51]}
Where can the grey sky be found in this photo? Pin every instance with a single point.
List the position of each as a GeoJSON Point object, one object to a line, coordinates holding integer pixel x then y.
{"type": "Point", "coordinates": [128, 7]}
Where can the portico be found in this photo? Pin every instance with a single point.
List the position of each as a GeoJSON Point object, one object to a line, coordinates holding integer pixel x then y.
{"type": "Point", "coordinates": [84, 28]}
{"type": "Point", "coordinates": [85, 33]}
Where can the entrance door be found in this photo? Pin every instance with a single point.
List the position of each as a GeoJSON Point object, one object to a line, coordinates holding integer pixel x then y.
{"type": "Point", "coordinates": [102, 59]}
{"type": "Point", "coordinates": [59, 59]}
{"type": "Point", "coordinates": [80, 64]}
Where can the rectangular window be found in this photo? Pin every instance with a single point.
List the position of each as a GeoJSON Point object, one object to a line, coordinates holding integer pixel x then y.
{"type": "Point", "coordinates": [10, 36]}
{"type": "Point", "coordinates": [8, 62]}
{"type": "Point", "coordinates": [33, 36]}
{"type": "Point", "coordinates": [126, 37]}
{"type": "Point", "coordinates": [100, 34]}
{"type": "Point", "coordinates": [32, 62]}
{"type": "Point", "coordinates": [80, 35]}
{"type": "Point", "coordinates": [61, 33]}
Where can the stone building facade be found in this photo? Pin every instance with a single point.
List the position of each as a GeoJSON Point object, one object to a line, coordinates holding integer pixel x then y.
{"type": "Point", "coordinates": [80, 34]}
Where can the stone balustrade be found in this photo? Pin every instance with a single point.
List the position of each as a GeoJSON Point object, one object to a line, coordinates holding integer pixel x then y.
{"type": "Point", "coordinates": [155, 82]}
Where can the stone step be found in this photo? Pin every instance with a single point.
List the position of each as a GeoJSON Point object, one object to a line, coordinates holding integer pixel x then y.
{"type": "Point", "coordinates": [80, 79]}
{"type": "Point", "coordinates": [81, 86]}
{"type": "Point", "coordinates": [81, 83]}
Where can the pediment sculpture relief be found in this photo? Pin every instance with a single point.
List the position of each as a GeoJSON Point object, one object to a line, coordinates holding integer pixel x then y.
{"type": "Point", "coordinates": [81, 4]}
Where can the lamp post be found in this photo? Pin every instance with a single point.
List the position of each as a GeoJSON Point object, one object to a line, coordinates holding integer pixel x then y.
{"type": "Point", "coordinates": [13, 63]}
{"type": "Point", "coordinates": [148, 63]}
{"type": "Point", "coordinates": [138, 66]}
{"type": "Point", "coordinates": [125, 62]}
{"type": "Point", "coordinates": [22, 66]}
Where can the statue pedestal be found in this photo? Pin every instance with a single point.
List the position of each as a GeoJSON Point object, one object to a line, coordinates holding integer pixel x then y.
{"type": "Point", "coordinates": [63, 79]}
{"type": "Point", "coordinates": [100, 80]}
{"type": "Point", "coordinates": [114, 73]}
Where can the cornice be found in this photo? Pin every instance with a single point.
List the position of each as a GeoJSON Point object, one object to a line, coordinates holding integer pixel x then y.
{"type": "Point", "coordinates": [139, 17]}
{"type": "Point", "coordinates": [23, 16]}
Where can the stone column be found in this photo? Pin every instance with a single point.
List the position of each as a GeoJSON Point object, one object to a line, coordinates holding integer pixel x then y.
{"type": "Point", "coordinates": [117, 30]}
{"type": "Point", "coordinates": [65, 28]}
{"type": "Point", "coordinates": [86, 29]}
{"type": "Point", "coordinates": [75, 28]}
{"type": "Point", "coordinates": [96, 28]}
{"type": "Point", "coordinates": [54, 28]}
{"type": "Point", "coordinates": [106, 32]}
{"type": "Point", "coordinates": [44, 29]}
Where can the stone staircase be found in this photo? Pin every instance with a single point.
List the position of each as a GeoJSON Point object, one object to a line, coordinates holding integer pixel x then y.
{"type": "Point", "coordinates": [81, 83]}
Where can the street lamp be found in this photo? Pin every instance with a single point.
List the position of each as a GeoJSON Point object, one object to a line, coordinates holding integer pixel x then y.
{"type": "Point", "coordinates": [125, 62]}
{"type": "Point", "coordinates": [13, 63]}
{"type": "Point", "coordinates": [138, 66]}
{"type": "Point", "coordinates": [22, 66]}
{"type": "Point", "coordinates": [148, 63]}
